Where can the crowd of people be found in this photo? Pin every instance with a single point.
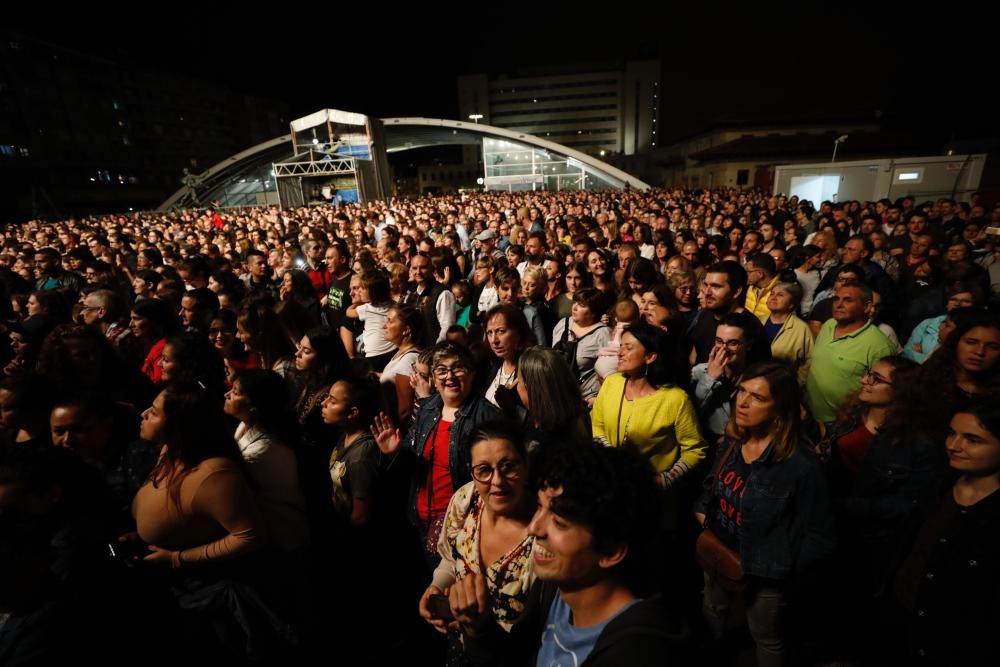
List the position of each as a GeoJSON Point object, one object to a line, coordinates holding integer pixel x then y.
{"type": "Point", "coordinates": [589, 428]}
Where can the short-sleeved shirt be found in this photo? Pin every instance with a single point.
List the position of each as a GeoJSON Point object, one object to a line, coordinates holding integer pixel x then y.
{"type": "Point", "coordinates": [566, 644]}
{"type": "Point", "coordinates": [354, 472]}
{"type": "Point", "coordinates": [838, 364]}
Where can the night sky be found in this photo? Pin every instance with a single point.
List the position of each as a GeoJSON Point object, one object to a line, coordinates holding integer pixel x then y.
{"type": "Point", "coordinates": [924, 77]}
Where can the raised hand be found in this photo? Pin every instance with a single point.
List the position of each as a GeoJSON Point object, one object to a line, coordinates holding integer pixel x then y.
{"type": "Point", "coordinates": [387, 436]}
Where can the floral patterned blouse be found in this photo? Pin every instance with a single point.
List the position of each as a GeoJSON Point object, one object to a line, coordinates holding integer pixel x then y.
{"type": "Point", "coordinates": [508, 579]}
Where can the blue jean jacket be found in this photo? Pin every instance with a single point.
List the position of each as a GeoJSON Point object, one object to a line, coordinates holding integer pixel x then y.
{"type": "Point", "coordinates": [471, 414]}
{"type": "Point", "coordinates": [787, 517]}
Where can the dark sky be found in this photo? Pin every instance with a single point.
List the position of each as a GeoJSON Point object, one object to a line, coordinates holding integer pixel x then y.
{"type": "Point", "coordinates": [775, 62]}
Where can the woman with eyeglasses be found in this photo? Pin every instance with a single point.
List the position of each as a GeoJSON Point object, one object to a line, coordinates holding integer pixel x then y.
{"type": "Point", "coordinates": [879, 467]}
{"type": "Point", "coordinates": [485, 535]}
{"type": "Point", "coordinates": [765, 512]}
{"type": "Point", "coordinates": [684, 285]}
{"type": "Point", "coordinates": [438, 441]}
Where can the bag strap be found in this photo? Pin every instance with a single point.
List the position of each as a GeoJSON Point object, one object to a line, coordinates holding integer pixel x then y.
{"type": "Point", "coordinates": [565, 336]}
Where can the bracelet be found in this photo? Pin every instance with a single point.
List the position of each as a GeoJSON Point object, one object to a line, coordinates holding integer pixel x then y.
{"type": "Point", "coordinates": [176, 561]}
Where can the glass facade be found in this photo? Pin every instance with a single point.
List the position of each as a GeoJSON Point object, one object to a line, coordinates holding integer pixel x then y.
{"type": "Point", "coordinates": [518, 167]}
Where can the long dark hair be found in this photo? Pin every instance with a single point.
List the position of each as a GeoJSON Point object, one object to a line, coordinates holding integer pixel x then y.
{"type": "Point", "coordinates": [786, 427]}
{"type": "Point", "coordinates": [939, 395]}
{"type": "Point", "coordinates": [195, 430]}
{"type": "Point", "coordinates": [270, 341]}
{"type": "Point", "coordinates": [267, 394]}
{"type": "Point", "coordinates": [197, 362]}
{"type": "Point", "coordinates": [667, 369]}
{"type": "Point", "coordinates": [332, 362]}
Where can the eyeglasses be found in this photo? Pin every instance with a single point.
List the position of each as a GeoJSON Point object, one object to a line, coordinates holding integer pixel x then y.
{"type": "Point", "coordinates": [509, 470]}
{"type": "Point", "coordinates": [872, 377]}
{"type": "Point", "coordinates": [443, 372]}
{"type": "Point", "coordinates": [731, 345]}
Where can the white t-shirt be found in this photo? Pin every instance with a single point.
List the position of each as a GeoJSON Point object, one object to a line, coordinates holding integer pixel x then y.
{"type": "Point", "coordinates": [374, 335]}
{"type": "Point", "coordinates": [404, 365]}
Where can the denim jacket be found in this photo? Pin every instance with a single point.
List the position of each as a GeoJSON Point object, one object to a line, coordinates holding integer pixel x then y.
{"type": "Point", "coordinates": [471, 414]}
{"type": "Point", "coordinates": [787, 517]}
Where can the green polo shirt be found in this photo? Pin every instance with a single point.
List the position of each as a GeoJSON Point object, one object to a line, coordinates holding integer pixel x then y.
{"type": "Point", "coordinates": [838, 364]}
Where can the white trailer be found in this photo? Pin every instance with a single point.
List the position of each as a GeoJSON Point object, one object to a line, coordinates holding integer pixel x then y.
{"type": "Point", "coordinates": [923, 178]}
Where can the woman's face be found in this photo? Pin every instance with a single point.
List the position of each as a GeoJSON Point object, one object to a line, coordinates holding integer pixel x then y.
{"type": "Point", "coordinates": [34, 308]}
{"type": "Point", "coordinates": [395, 328]}
{"type": "Point", "coordinates": [168, 363]}
{"type": "Point", "coordinates": [503, 340]}
{"type": "Point", "coordinates": [237, 404]}
{"type": "Point", "coordinates": [359, 294]}
{"type": "Point", "coordinates": [453, 381]}
{"type": "Point", "coordinates": [305, 355]}
{"type": "Point", "coordinates": [685, 293]}
{"type": "Point", "coordinates": [662, 250]}
{"type": "Point", "coordinates": [336, 407]}
{"type": "Point", "coordinates": [245, 337]}
{"type": "Point", "coordinates": [960, 300]}
{"type": "Point", "coordinates": [780, 301]}
{"type": "Point", "coordinates": [285, 290]}
{"type": "Point", "coordinates": [979, 349]}
{"type": "Point", "coordinates": [574, 281]}
{"type": "Point", "coordinates": [221, 337]}
{"type": "Point", "coordinates": [735, 238]}
{"type": "Point", "coordinates": [632, 356]}
{"type": "Point", "coordinates": [582, 315]}
{"type": "Point", "coordinates": [652, 310]}
{"type": "Point", "coordinates": [972, 449]}
{"type": "Point", "coordinates": [153, 425]}
{"type": "Point", "coordinates": [754, 404]}
{"type": "Point", "coordinates": [876, 385]}
{"type": "Point", "coordinates": [597, 264]}
{"type": "Point", "coordinates": [140, 326]}
{"type": "Point", "coordinates": [499, 473]}
{"type": "Point", "coordinates": [947, 326]}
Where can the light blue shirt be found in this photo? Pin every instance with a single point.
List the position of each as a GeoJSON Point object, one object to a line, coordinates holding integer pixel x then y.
{"type": "Point", "coordinates": [564, 644]}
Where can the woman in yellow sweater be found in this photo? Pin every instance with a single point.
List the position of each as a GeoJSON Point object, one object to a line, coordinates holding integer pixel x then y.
{"type": "Point", "coordinates": [636, 408]}
{"type": "Point", "coordinates": [791, 338]}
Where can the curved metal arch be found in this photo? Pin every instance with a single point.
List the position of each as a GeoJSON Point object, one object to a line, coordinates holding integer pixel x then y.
{"type": "Point", "coordinates": [501, 133]}
{"type": "Point", "coordinates": [213, 171]}
{"type": "Point", "coordinates": [593, 163]}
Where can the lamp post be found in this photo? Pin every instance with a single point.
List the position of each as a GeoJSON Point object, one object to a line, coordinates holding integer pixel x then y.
{"type": "Point", "coordinates": [836, 142]}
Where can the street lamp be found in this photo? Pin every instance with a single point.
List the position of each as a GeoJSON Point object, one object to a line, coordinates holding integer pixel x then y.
{"type": "Point", "coordinates": [475, 117]}
{"type": "Point", "coordinates": [836, 142]}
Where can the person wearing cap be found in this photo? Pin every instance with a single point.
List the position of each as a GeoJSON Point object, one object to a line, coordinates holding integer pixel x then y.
{"type": "Point", "coordinates": [487, 245]}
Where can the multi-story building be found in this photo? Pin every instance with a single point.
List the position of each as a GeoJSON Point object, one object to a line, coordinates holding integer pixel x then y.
{"type": "Point", "coordinates": [597, 109]}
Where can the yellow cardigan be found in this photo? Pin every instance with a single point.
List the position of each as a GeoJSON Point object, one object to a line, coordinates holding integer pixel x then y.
{"type": "Point", "coordinates": [794, 344]}
{"type": "Point", "coordinates": [663, 426]}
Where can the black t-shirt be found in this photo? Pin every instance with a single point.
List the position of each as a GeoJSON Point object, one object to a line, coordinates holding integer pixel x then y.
{"type": "Point", "coordinates": [724, 518]}
{"type": "Point", "coordinates": [338, 296]}
{"type": "Point", "coordinates": [822, 311]}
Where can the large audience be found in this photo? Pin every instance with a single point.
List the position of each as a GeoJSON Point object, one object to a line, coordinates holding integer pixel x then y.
{"type": "Point", "coordinates": [528, 428]}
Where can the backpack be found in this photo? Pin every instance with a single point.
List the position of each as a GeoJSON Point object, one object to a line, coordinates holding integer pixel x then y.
{"type": "Point", "coordinates": [567, 348]}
